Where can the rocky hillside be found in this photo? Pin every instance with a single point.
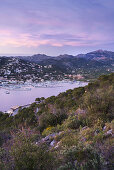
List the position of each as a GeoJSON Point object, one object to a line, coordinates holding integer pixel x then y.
{"type": "Point", "coordinates": [72, 131]}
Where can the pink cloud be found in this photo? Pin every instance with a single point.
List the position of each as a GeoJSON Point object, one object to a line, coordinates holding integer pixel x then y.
{"type": "Point", "coordinates": [11, 38]}
{"type": "Point", "coordinates": [5, 32]}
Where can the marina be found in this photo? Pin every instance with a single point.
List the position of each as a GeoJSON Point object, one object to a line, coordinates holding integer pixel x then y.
{"type": "Point", "coordinates": [22, 95]}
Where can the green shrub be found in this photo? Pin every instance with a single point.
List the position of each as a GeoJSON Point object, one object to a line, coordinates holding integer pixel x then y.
{"type": "Point", "coordinates": [99, 104]}
{"type": "Point", "coordinates": [48, 131]}
{"type": "Point", "coordinates": [67, 166]}
{"type": "Point", "coordinates": [83, 158]}
{"type": "Point", "coordinates": [74, 122]}
{"type": "Point", "coordinates": [49, 119]}
{"type": "Point", "coordinates": [28, 156]}
{"type": "Point", "coordinates": [69, 140]}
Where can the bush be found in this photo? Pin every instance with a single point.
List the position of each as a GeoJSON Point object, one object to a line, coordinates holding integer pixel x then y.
{"type": "Point", "coordinates": [67, 166]}
{"type": "Point", "coordinates": [26, 117]}
{"type": "Point", "coordinates": [49, 119]}
{"type": "Point", "coordinates": [100, 104]}
{"type": "Point", "coordinates": [69, 140]}
{"type": "Point", "coordinates": [74, 122]}
{"type": "Point", "coordinates": [28, 156]}
{"type": "Point", "coordinates": [84, 158]}
{"type": "Point", "coordinates": [48, 130]}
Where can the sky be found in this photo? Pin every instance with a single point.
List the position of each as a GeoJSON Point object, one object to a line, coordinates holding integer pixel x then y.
{"type": "Point", "coordinates": [55, 27]}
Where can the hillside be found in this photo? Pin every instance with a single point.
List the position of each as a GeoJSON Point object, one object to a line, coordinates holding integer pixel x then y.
{"type": "Point", "coordinates": [40, 66]}
{"type": "Point", "coordinates": [12, 68]}
{"type": "Point", "coordinates": [100, 55]}
{"type": "Point", "coordinates": [37, 58]}
{"type": "Point", "coordinates": [72, 131]}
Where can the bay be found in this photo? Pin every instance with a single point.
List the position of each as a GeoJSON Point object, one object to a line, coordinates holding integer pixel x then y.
{"type": "Point", "coordinates": [27, 94]}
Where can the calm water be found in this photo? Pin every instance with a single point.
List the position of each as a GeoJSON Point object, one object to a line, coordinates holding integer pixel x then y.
{"type": "Point", "coordinates": [20, 96]}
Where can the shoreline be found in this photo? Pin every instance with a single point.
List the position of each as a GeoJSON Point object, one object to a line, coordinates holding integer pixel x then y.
{"type": "Point", "coordinates": [17, 97]}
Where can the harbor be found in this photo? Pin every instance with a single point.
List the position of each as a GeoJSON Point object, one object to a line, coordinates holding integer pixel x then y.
{"type": "Point", "coordinates": [15, 96]}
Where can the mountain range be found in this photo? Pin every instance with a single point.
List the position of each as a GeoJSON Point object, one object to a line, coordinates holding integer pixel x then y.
{"type": "Point", "coordinates": [97, 58]}
{"type": "Point", "coordinates": [101, 61]}
{"type": "Point", "coordinates": [90, 65]}
{"type": "Point", "coordinates": [99, 55]}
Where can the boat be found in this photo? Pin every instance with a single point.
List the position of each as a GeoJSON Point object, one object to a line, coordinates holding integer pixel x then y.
{"type": "Point", "coordinates": [27, 89]}
{"type": "Point", "coordinates": [7, 92]}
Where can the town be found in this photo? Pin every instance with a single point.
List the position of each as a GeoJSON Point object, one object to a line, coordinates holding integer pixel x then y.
{"type": "Point", "coordinates": [17, 71]}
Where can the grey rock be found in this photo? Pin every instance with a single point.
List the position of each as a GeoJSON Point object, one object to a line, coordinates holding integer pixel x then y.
{"type": "Point", "coordinates": [52, 143]}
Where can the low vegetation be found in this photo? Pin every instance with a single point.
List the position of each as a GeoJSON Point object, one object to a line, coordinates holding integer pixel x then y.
{"type": "Point", "coordinates": [72, 131]}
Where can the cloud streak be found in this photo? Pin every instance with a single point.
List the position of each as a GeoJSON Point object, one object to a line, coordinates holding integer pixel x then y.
{"type": "Point", "coordinates": [60, 24]}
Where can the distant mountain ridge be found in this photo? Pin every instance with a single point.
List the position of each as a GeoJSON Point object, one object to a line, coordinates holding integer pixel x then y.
{"type": "Point", "coordinates": [99, 55]}
{"type": "Point", "coordinates": [35, 58]}
{"type": "Point", "coordinates": [89, 65]}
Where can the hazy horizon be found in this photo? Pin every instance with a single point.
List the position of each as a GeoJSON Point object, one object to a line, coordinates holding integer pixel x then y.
{"type": "Point", "coordinates": [9, 55]}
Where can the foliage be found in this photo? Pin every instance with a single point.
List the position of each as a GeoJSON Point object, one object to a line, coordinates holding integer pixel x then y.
{"type": "Point", "coordinates": [28, 156]}
{"type": "Point", "coordinates": [83, 158]}
{"type": "Point", "coordinates": [74, 122]}
{"type": "Point", "coordinates": [82, 120]}
{"type": "Point", "coordinates": [48, 130]}
{"type": "Point", "coordinates": [46, 120]}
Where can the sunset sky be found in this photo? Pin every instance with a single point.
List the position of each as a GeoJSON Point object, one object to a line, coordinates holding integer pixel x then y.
{"type": "Point", "coordinates": [56, 27]}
